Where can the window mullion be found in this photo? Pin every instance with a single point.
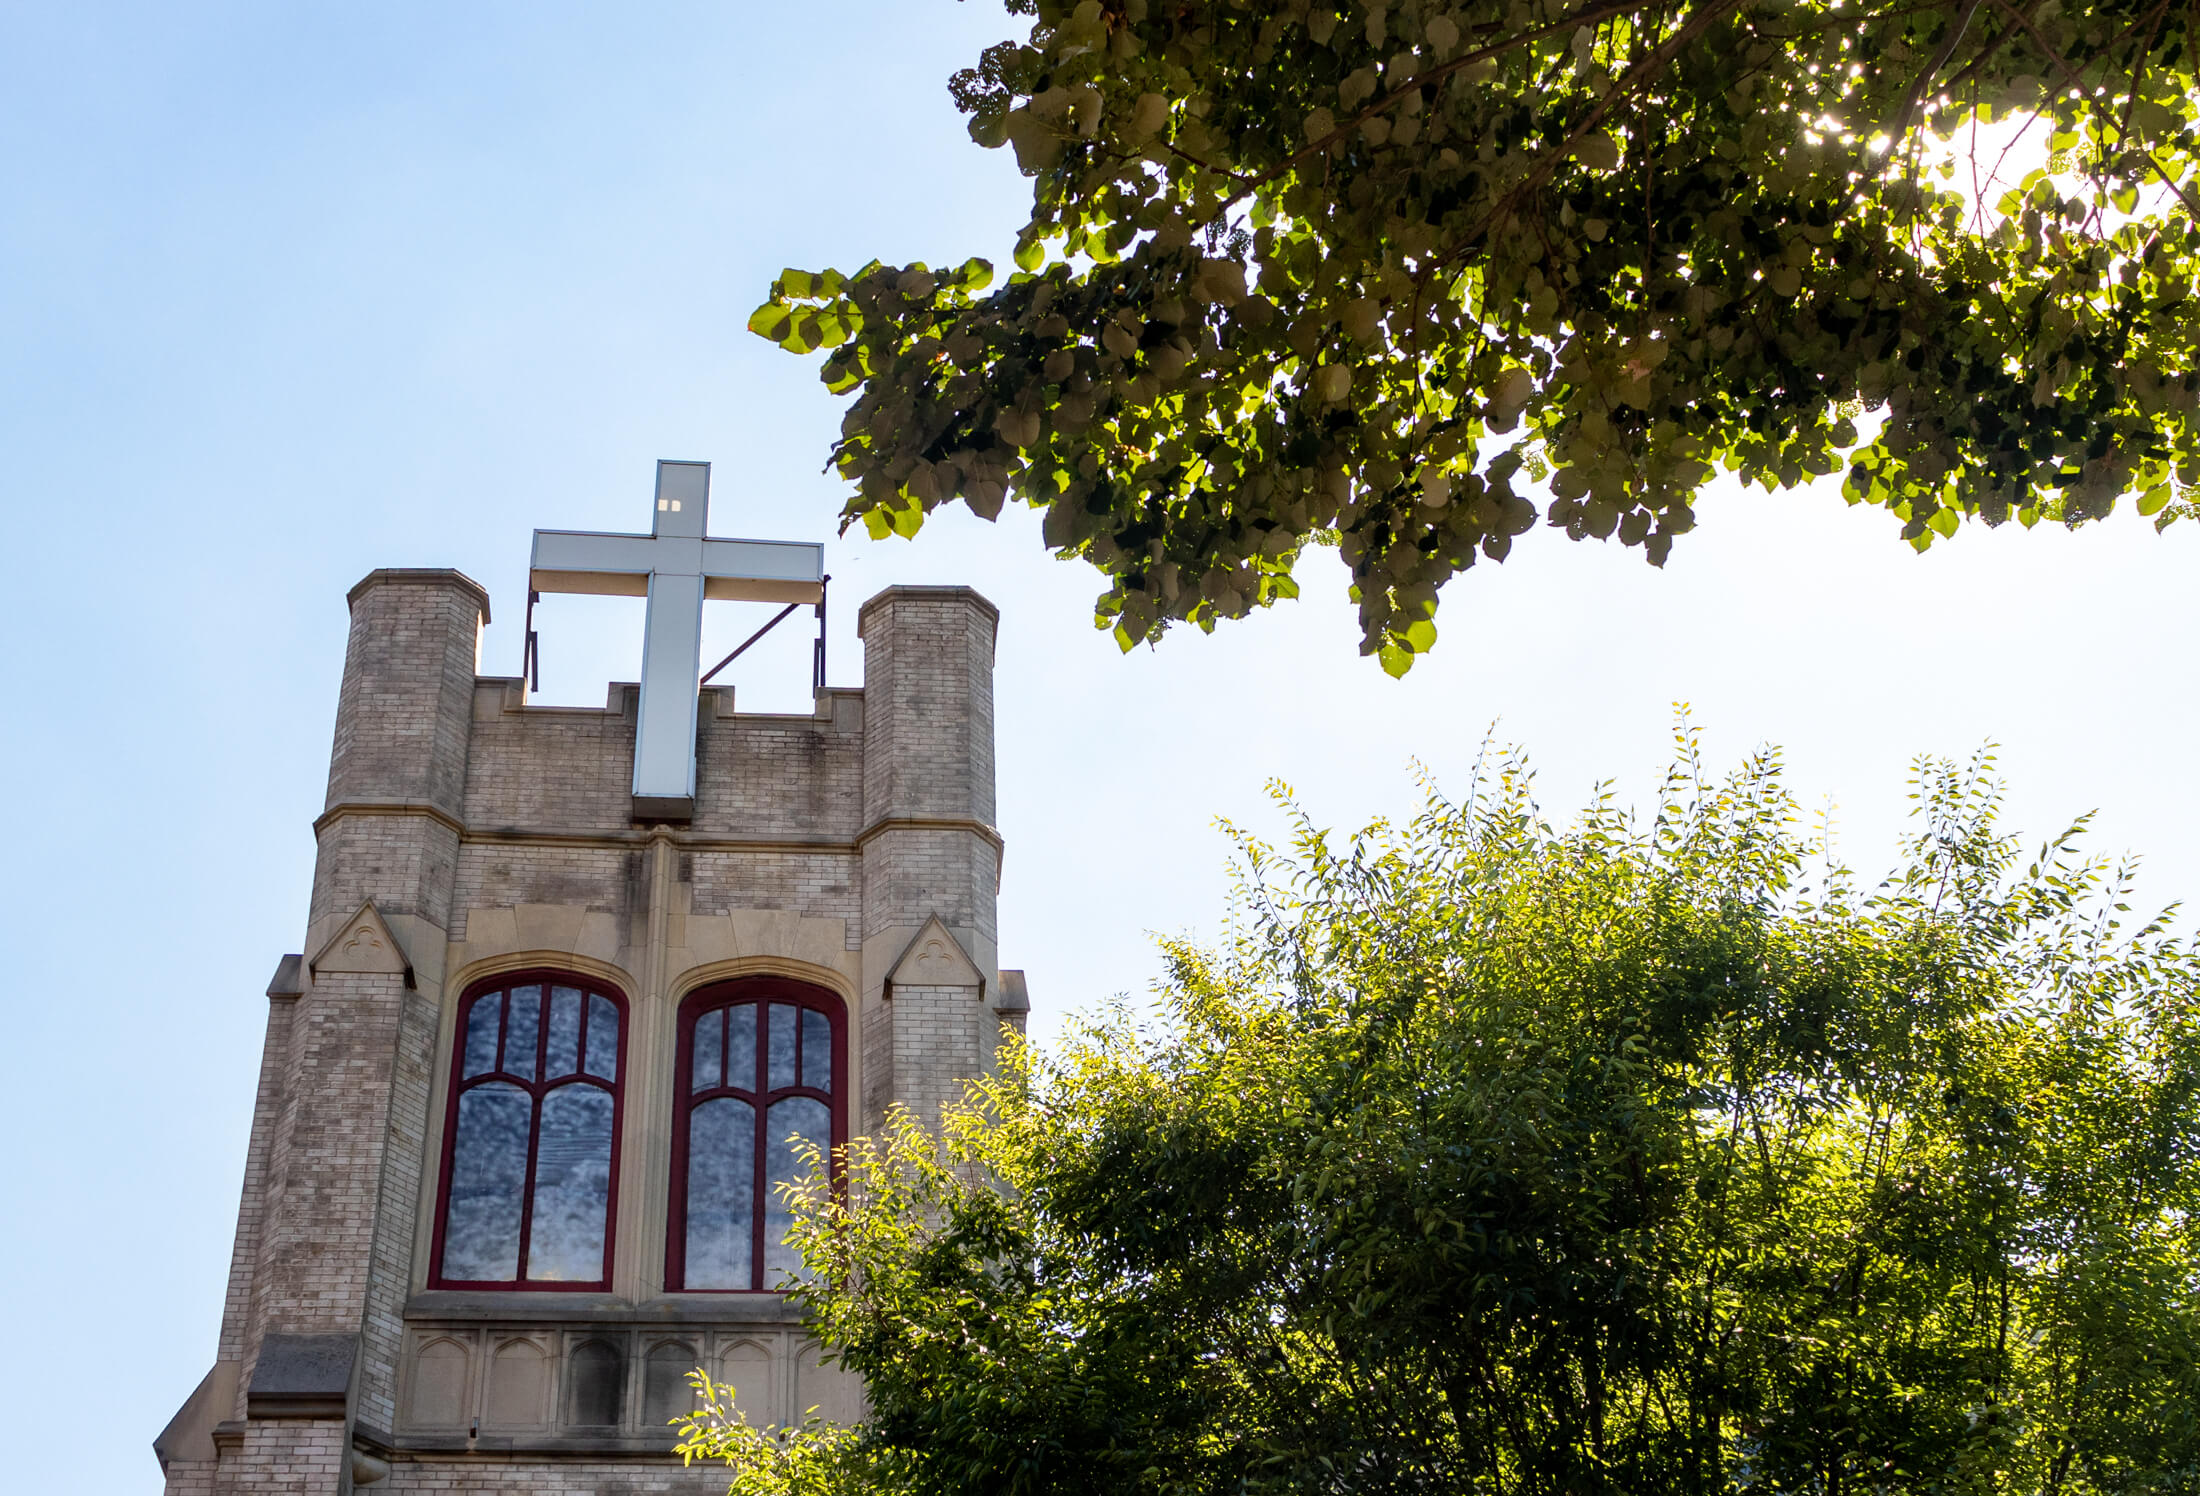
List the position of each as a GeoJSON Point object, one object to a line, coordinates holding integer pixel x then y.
{"type": "Point", "coordinates": [527, 1185]}
{"type": "Point", "coordinates": [760, 1187]}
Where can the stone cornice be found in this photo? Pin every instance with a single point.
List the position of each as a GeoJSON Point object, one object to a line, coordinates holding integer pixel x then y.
{"type": "Point", "coordinates": [377, 807]}
{"type": "Point", "coordinates": [913, 592]}
{"type": "Point", "coordinates": [420, 576]}
{"type": "Point", "coordinates": [642, 836]}
{"type": "Point", "coordinates": [885, 824]}
{"type": "Point", "coordinates": [729, 1311]}
{"type": "Point", "coordinates": [686, 841]}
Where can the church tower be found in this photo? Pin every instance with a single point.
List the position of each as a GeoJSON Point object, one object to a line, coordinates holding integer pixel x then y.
{"type": "Point", "coordinates": [527, 1087]}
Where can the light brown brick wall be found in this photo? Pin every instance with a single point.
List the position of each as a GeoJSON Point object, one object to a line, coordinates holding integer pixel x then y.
{"type": "Point", "coordinates": [302, 1456]}
{"type": "Point", "coordinates": [772, 777]}
{"type": "Point", "coordinates": [828, 885]}
{"type": "Point", "coordinates": [550, 768]}
{"type": "Point", "coordinates": [330, 1153]}
{"type": "Point", "coordinates": [406, 1189]}
{"type": "Point", "coordinates": [495, 875]}
{"type": "Point", "coordinates": [935, 1036]}
{"type": "Point", "coordinates": [404, 862]}
{"type": "Point", "coordinates": [193, 1477]}
{"type": "Point", "coordinates": [252, 1210]}
{"type": "Point", "coordinates": [928, 704]}
{"type": "Point", "coordinates": [911, 874]}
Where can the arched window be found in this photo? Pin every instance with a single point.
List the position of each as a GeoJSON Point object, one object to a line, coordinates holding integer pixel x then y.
{"type": "Point", "coordinates": [530, 1154]}
{"type": "Point", "coordinates": [762, 1068]}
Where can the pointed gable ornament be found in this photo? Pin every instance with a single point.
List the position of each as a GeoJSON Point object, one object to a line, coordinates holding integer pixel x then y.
{"type": "Point", "coordinates": [934, 959]}
{"type": "Point", "coordinates": [364, 945]}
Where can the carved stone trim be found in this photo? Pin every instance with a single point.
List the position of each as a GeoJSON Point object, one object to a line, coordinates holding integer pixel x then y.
{"type": "Point", "coordinates": [885, 824]}
{"type": "Point", "coordinates": [934, 958]}
{"type": "Point", "coordinates": [343, 808]}
{"type": "Point", "coordinates": [364, 944]}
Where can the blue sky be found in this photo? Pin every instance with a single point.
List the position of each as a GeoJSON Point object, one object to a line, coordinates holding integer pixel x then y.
{"type": "Point", "coordinates": [291, 292]}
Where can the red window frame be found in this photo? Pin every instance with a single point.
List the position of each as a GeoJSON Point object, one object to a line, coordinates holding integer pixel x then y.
{"type": "Point", "coordinates": [538, 1090]}
{"type": "Point", "coordinates": [759, 992]}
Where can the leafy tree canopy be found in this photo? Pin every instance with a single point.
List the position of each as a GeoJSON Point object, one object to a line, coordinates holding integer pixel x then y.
{"type": "Point", "coordinates": [1634, 1157]}
{"type": "Point", "coordinates": [1366, 270]}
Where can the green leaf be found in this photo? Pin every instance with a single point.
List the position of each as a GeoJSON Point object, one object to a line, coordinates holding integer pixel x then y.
{"type": "Point", "coordinates": [2152, 501]}
{"type": "Point", "coordinates": [1030, 254]}
{"type": "Point", "coordinates": [770, 320]}
{"type": "Point", "coordinates": [1395, 661]}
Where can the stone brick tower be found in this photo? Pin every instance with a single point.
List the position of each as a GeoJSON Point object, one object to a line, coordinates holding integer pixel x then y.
{"type": "Point", "coordinates": [480, 856]}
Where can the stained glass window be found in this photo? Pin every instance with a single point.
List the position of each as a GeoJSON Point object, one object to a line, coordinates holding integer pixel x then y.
{"type": "Point", "coordinates": [760, 1076]}
{"type": "Point", "coordinates": [529, 1169]}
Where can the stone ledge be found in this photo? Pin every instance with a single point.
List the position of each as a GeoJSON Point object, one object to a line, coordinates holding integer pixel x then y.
{"type": "Point", "coordinates": [980, 829]}
{"type": "Point", "coordinates": [640, 836]}
{"type": "Point", "coordinates": [289, 978]}
{"type": "Point", "coordinates": [511, 1448]}
{"type": "Point", "coordinates": [374, 807]}
{"type": "Point", "coordinates": [301, 1376]}
{"type": "Point", "coordinates": [731, 1311]}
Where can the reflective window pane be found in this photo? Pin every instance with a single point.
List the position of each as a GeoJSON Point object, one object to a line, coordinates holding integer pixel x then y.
{"type": "Point", "coordinates": [721, 1200]}
{"type": "Point", "coordinates": [482, 1022]}
{"type": "Point", "coordinates": [572, 1186]}
{"type": "Point", "coordinates": [603, 1037]}
{"type": "Point", "coordinates": [522, 1026]}
{"type": "Point", "coordinates": [563, 1055]}
{"type": "Point", "coordinates": [792, 1123]}
{"type": "Point", "coordinates": [782, 1046]}
{"type": "Point", "coordinates": [741, 1046]}
{"type": "Point", "coordinates": [488, 1172]}
{"type": "Point", "coordinates": [710, 1052]}
{"type": "Point", "coordinates": [817, 1050]}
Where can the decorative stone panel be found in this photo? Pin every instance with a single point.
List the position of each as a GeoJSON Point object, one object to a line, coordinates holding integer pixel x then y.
{"type": "Point", "coordinates": [612, 1388]}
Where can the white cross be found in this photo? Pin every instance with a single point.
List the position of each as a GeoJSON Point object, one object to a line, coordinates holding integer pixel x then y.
{"type": "Point", "coordinates": [676, 566]}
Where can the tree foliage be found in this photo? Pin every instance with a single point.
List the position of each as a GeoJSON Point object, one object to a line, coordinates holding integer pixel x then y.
{"type": "Point", "coordinates": [1634, 1157]}
{"type": "Point", "coordinates": [1371, 270]}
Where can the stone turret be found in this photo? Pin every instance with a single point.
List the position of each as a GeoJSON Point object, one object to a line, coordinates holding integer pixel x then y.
{"type": "Point", "coordinates": [930, 850]}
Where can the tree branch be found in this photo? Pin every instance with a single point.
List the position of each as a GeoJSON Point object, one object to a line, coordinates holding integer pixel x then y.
{"type": "Point", "coordinates": [2077, 80]}
{"type": "Point", "coordinates": [1695, 26]}
{"type": "Point", "coordinates": [1587, 15]}
{"type": "Point", "coordinates": [1899, 125]}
